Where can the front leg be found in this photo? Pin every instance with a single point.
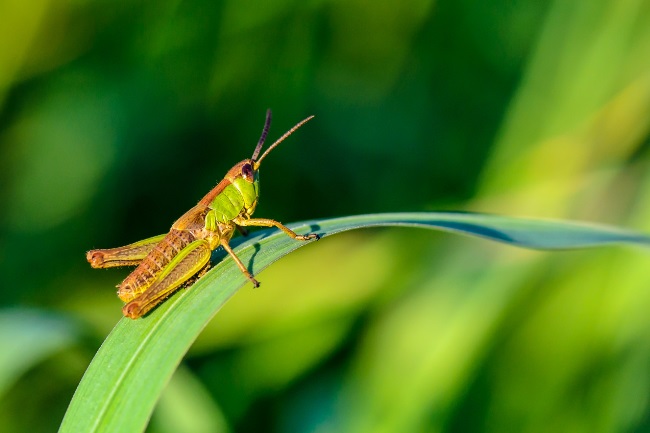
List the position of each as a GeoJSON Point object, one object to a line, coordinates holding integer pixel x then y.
{"type": "Point", "coordinates": [264, 222]}
{"type": "Point", "coordinates": [240, 265]}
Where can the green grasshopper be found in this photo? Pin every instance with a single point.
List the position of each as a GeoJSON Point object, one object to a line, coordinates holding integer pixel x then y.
{"type": "Point", "coordinates": [169, 261]}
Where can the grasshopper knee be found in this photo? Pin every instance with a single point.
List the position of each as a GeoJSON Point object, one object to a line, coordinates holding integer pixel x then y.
{"type": "Point", "coordinates": [95, 258]}
{"type": "Point", "coordinates": [132, 310]}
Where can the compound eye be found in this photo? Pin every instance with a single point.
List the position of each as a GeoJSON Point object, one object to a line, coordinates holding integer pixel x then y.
{"type": "Point", "coordinates": [247, 172]}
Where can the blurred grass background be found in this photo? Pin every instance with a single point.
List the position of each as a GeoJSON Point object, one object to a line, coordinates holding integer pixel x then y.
{"type": "Point", "coordinates": [116, 117]}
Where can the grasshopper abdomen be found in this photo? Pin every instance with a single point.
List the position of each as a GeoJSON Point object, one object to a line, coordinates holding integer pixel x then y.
{"type": "Point", "coordinates": [158, 259]}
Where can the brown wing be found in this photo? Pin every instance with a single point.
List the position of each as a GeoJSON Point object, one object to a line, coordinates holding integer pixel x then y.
{"type": "Point", "coordinates": [193, 219]}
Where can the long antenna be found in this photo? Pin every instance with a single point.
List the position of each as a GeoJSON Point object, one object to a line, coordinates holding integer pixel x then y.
{"type": "Point", "coordinates": [265, 132]}
{"type": "Point", "coordinates": [278, 141]}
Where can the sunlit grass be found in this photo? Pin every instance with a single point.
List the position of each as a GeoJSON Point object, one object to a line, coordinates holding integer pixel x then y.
{"type": "Point", "coordinates": [124, 381]}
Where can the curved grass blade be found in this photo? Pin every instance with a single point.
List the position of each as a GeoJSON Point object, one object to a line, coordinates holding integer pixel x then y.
{"type": "Point", "coordinates": [122, 384]}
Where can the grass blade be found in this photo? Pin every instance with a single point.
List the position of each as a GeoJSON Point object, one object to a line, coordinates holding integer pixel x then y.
{"type": "Point", "coordinates": [122, 384]}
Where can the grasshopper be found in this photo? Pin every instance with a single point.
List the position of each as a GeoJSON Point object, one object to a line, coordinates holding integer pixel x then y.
{"type": "Point", "coordinates": [169, 261]}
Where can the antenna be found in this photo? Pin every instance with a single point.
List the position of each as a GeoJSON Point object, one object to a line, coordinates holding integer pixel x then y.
{"type": "Point", "coordinates": [278, 141]}
{"type": "Point", "coordinates": [265, 132]}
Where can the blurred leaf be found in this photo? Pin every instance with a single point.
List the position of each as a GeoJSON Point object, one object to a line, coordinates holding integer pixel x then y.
{"type": "Point", "coordinates": [27, 338]}
{"type": "Point", "coordinates": [123, 383]}
{"type": "Point", "coordinates": [186, 406]}
{"type": "Point", "coordinates": [20, 23]}
{"type": "Point", "coordinates": [575, 113]}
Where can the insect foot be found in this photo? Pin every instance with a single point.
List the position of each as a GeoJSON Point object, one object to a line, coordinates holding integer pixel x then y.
{"type": "Point", "coordinates": [308, 237]}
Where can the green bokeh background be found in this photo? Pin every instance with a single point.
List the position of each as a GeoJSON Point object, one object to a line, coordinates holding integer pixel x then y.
{"type": "Point", "coordinates": [116, 117]}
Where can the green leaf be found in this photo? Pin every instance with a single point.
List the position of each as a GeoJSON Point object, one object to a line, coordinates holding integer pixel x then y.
{"type": "Point", "coordinates": [28, 337]}
{"type": "Point", "coordinates": [122, 384]}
